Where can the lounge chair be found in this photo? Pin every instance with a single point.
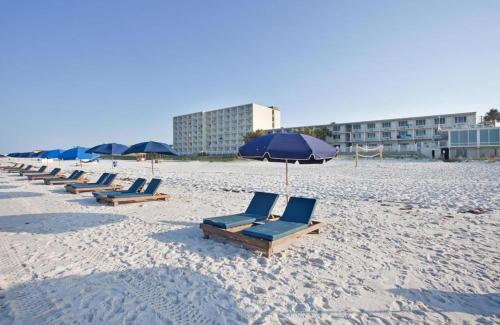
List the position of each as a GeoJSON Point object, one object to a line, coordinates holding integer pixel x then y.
{"type": "Point", "coordinates": [259, 209]}
{"type": "Point", "coordinates": [148, 195]}
{"type": "Point", "coordinates": [29, 172]}
{"type": "Point", "coordinates": [54, 173]}
{"type": "Point", "coordinates": [104, 183]}
{"type": "Point", "coordinates": [75, 177]}
{"type": "Point", "coordinates": [15, 166]}
{"type": "Point", "coordinates": [25, 169]}
{"type": "Point", "coordinates": [273, 236]}
{"type": "Point", "coordinates": [136, 187]}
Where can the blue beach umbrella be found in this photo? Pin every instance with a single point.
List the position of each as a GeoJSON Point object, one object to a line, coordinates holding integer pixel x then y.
{"type": "Point", "coordinates": [109, 149]}
{"type": "Point", "coordinates": [288, 148]}
{"type": "Point", "coordinates": [151, 147]}
{"type": "Point", "coordinates": [52, 154]}
{"type": "Point", "coordinates": [77, 153]}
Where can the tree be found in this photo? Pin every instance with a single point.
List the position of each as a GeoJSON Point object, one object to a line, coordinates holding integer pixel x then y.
{"type": "Point", "coordinates": [320, 133]}
{"type": "Point", "coordinates": [252, 135]}
{"type": "Point", "coordinates": [492, 116]}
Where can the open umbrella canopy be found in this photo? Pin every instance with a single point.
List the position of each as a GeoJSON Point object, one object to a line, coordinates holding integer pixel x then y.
{"type": "Point", "coordinates": [288, 147]}
{"type": "Point", "coordinates": [77, 153]}
{"type": "Point", "coordinates": [108, 149]}
{"type": "Point", "coordinates": [151, 147]}
{"type": "Point", "coordinates": [52, 154]}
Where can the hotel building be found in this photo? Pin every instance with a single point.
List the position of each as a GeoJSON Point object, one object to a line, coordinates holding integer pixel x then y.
{"type": "Point", "coordinates": [421, 134]}
{"type": "Point", "coordinates": [221, 131]}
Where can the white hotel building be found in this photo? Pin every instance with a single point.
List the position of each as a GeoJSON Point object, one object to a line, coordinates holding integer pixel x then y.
{"type": "Point", "coordinates": [421, 134]}
{"type": "Point", "coordinates": [221, 131]}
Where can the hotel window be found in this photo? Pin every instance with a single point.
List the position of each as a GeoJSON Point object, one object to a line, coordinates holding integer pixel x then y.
{"type": "Point", "coordinates": [403, 123]}
{"type": "Point", "coordinates": [420, 122]}
{"type": "Point", "coordinates": [386, 124]}
{"type": "Point", "coordinates": [356, 127]}
{"type": "Point", "coordinates": [386, 135]}
{"type": "Point", "coordinates": [371, 135]}
{"type": "Point", "coordinates": [439, 120]}
{"type": "Point", "coordinates": [336, 136]}
{"type": "Point", "coordinates": [460, 119]}
{"type": "Point", "coordinates": [420, 133]}
{"type": "Point", "coordinates": [370, 125]}
{"type": "Point", "coordinates": [336, 128]}
{"type": "Point", "coordinates": [403, 135]}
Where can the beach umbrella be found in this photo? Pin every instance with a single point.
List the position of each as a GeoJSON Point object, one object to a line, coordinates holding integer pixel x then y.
{"type": "Point", "coordinates": [52, 154]}
{"type": "Point", "coordinates": [77, 153]}
{"type": "Point", "coordinates": [151, 147]}
{"type": "Point", "coordinates": [288, 148]}
{"type": "Point", "coordinates": [109, 149]}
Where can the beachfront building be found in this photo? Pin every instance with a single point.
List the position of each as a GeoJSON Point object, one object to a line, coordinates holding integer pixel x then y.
{"type": "Point", "coordinates": [221, 131]}
{"type": "Point", "coordinates": [474, 143]}
{"type": "Point", "coordinates": [422, 134]}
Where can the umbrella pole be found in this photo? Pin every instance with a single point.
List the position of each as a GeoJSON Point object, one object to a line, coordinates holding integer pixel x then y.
{"type": "Point", "coordinates": [286, 179]}
{"type": "Point", "coordinates": [152, 162]}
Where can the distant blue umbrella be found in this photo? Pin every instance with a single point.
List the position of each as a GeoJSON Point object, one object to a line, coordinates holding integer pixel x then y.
{"type": "Point", "coordinates": [151, 147]}
{"type": "Point", "coordinates": [77, 153]}
{"type": "Point", "coordinates": [288, 147]}
{"type": "Point", "coordinates": [53, 154]}
{"type": "Point", "coordinates": [109, 149]}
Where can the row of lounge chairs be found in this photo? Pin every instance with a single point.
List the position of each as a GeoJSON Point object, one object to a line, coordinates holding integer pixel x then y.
{"type": "Point", "coordinates": [104, 189]}
{"type": "Point", "coordinates": [256, 228]}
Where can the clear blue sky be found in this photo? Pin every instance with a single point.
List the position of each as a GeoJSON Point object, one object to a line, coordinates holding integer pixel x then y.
{"type": "Point", "coordinates": [88, 72]}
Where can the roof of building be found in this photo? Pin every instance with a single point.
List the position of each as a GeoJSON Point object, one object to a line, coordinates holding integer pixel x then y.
{"type": "Point", "coordinates": [381, 120]}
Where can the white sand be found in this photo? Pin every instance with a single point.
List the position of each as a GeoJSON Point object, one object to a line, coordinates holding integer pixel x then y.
{"type": "Point", "coordinates": [398, 246]}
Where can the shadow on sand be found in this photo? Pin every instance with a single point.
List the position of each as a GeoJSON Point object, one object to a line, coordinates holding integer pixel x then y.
{"type": "Point", "coordinates": [15, 195]}
{"type": "Point", "coordinates": [160, 295]}
{"type": "Point", "coordinates": [55, 223]}
{"type": "Point", "coordinates": [7, 187]}
{"type": "Point", "coordinates": [487, 304]}
{"type": "Point", "coordinates": [190, 238]}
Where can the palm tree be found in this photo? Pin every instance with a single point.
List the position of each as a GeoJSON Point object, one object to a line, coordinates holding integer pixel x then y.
{"type": "Point", "coordinates": [492, 116]}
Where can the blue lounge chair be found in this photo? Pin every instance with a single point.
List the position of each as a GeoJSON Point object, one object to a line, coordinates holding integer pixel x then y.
{"type": "Point", "coordinates": [54, 173]}
{"type": "Point", "coordinates": [75, 177]}
{"type": "Point", "coordinates": [21, 170]}
{"type": "Point", "coordinates": [273, 236]}
{"type": "Point", "coordinates": [150, 194]}
{"type": "Point", "coordinates": [29, 172]}
{"type": "Point", "coordinates": [16, 166]}
{"type": "Point", "coordinates": [104, 183]}
{"type": "Point", "coordinates": [297, 216]}
{"type": "Point", "coordinates": [259, 209]}
{"type": "Point", "coordinates": [136, 187]}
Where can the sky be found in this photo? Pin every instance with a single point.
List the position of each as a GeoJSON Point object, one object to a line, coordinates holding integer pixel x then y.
{"type": "Point", "coordinates": [90, 72]}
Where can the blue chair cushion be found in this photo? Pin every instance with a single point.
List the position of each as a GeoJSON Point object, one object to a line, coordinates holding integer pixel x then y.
{"type": "Point", "coordinates": [299, 210]}
{"type": "Point", "coordinates": [273, 230]}
{"type": "Point", "coordinates": [106, 193]}
{"type": "Point", "coordinates": [262, 204]}
{"type": "Point", "coordinates": [120, 195]}
{"type": "Point", "coordinates": [231, 221]}
{"type": "Point", "coordinates": [80, 185]}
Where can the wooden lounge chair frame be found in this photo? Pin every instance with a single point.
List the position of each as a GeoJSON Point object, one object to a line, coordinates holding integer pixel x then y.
{"type": "Point", "coordinates": [117, 200]}
{"type": "Point", "coordinates": [76, 190]}
{"type": "Point", "coordinates": [29, 172]}
{"type": "Point", "coordinates": [42, 177]}
{"type": "Point", "coordinates": [268, 247]}
{"type": "Point", "coordinates": [67, 181]}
